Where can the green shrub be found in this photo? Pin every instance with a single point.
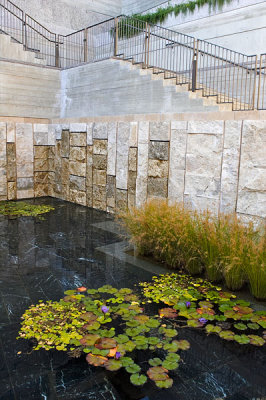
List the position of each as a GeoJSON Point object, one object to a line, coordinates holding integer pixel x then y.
{"type": "Point", "coordinates": [187, 240]}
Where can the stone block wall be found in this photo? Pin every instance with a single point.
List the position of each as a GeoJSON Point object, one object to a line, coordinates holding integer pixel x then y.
{"type": "Point", "coordinates": [119, 163]}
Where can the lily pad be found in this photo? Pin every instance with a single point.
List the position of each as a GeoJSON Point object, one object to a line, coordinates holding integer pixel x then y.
{"type": "Point", "coordinates": [240, 326]}
{"type": "Point", "coordinates": [138, 380]}
{"type": "Point", "coordinates": [256, 340]}
{"type": "Point", "coordinates": [141, 319]}
{"type": "Point", "coordinates": [157, 373]}
{"type": "Point", "coordinates": [193, 323]}
{"type": "Point", "coordinates": [168, 313]}
{"type": "Point", "coordinates": [106, 343]}
{"type": "Point", "coordinates": [97, 361]}
{"type": "Point", "coordinates": [89, 340]}
{"type": "Point", "coordinates": [181, 344]}
{"type": "Point", "coordinates": [253, 326]}
{"type": "Point", "coordinates": [155, 362]}
{"type": "Point", "coordinates": [126, 361]}
{"type": "Point", "coordinates": [170, 365]}
{"type": "Point", "coordinates": [227, 335]}
{"type": "Point", "coordinates": [165, 384]}
{"type": "Point", "coordinates": [213, 329]}
{"type": "Point", "coordinates": [153, 323]}
{"type": "Point", "coordinates": [113, 365]}
{"type": "Point", "coordinates": [242, 339]}
{"type": "Point", "coordinates": [122, 338]}
{"type": "Point", "coordinates": [133, 368]}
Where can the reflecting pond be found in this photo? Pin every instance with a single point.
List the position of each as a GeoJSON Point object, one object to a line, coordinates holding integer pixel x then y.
{"type": "Point", "coordinates": [76, 246]}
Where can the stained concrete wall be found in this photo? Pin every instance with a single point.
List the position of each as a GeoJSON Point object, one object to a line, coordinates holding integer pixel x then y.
{"type": "Point", "coordinates": [65, 16]}
{"type": "Point", "coordinates": [239, 25]}
{"type": "Point", "coordinates": [29, 91]}
{"type": "Point", "coordinates": [114, 88]}
{"type": "Point", "coordinates": [112, 163]}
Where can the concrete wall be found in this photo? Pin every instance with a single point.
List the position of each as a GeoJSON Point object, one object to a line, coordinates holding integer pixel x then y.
{"type": "Point", "coordinates": [65, 16]}
{"type": "Point", "coordinates": [112, 163]}
{"type": "Point", "coordinates": [113, 88]}
{"type": "Point", "coordinates": [29, 91]}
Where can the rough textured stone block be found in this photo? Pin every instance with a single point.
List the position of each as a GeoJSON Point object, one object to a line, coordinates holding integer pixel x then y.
{"type": "Point", "coordinates": [78, 139]}
{"type": "Point", "coordinates": [99, 130]}
{"type": "Point", "coordinates": [208, 127]}
{"type": "Point", "coordinates": [131, 201]}
{"type": "Point", "coordinates": [11, 190]}
{"type": "Point", "coordinates": [77, 154]}
{"type": "Point", "coordinates": [158, 169]}
{"type": "Point", "coordinates": [159, 150]}
{"type": "Point", "coordinates": [77, 183]}
{"type": "Point", "coordinates": [11, 161]}
{"type": "Point", "coordinates": [160, 131]}
{"type": "Point", "coordinates": [78, 197]}
{"type": "Point", "coordinates": [54, 133]}
{"type": "Point", "coordinates": [41, 152]}
{"type": "Point", "coordinates": [133, 138]}
{"type": "Point", "coordinates": [99, 177]}
{"type": "Point", "coordinates": [41, 177]}
{"type": "Point", "coordinates": [99, 197]}
{"type": "Point", "coordinates": [65, 144]}
{"type": "Point", "coordinates": [41, 164]}
{"type": "Point", "coordinates": [100, 146]}
{"type": "Point", "coordinates": [123, 134]}
{"type": "Point", "coordinates": [40, 190]}
{"type": "Point", "coordinates": [77, 168]}
{"type": "Point", "coordinates": [110, 187]}
{"type": "Point", "coordinates": [89, 192]}
{"type": "Point", "coordinates": [121, 200]}
{"type": "Point", "coordinates": [142, 174]}
{"type": "Point", "coordinates": [132, 159]}
{"type": "Point", "coordinates": [157, 187]}
{"type": "Point", "coordinates": [111, 160]}
{"type": "Point", "coordinates": [132, 176]}
{"type": "Point", "coordinates": [200, 185]}
{"type": "Point", "coordinates": [99, 161]}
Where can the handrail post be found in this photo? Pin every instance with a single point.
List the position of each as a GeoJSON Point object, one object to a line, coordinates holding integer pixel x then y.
{"type": "Point", "coordinates": [255, 80]}
{"type": "Point", "coordinates": [57, 55]}
{"type": "Point", "coordinates": [258, 100]}
{"type": "Point", "coordinates": [146, 45]}
{"type": "Point", "coordinates": [85, 41]}
{"type": "Point", "coordinates": [25, 30]}
{"type": "Point", "coordinates": [116, 38]}
{"type": "Point", "coordinates": [194, 66]}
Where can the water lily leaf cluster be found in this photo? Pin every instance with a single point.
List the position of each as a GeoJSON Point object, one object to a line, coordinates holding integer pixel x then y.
{"type": "Point", "coordinates": [196, 303]}
{"type": "Point", "coordinates": [111, 328]}
{"type": "Point", "coordinates": [22, 209]}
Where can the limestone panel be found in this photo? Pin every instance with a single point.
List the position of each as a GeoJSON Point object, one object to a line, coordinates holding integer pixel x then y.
{"type": "Point", "coordinates": [100, 146]}
{"type": "Point", "coordinates": [78, 127]}
{"type": "Point", "coordinates": [25, 170]}
{"type": "Point", "coordinates": [121, 200]}
{"type": "Point", "coordinates": [40, 138]}
{"type": "Point", "coordinates": [131, 201]}
{"type": "Point", "coordinates": [123, 134]}
{"type": "Point", "coordinates": [89, 166]}
{"type": "Point", "coordinates": [160, 131]}
{"type": "Point", "coordinates": [89, 134]}
{"type": "Point", "coordinates": [202, 203]}
{"type": "Point", "coordinates": [78, 139]}
{"type": "Point", "coordinates": [110, 191]}
{"type": "Point", "coordinates": [99, 130]}
{"type": "Point", "coordinates": [41, 128]}
{"type": "Point", "coordinates": [77, 183]}
{"type": "Point", "coordinates": [158, 169]}
{"type": "Point", "coordinates": [133, 139]}
{"type": "Point", "coordinates": [65, 144]}
{"type": "Point", "coordinates": [199, 185]}
{"type": "Point", "coordinates": [54, 133]}
{"type": "Point", "coordinates": [11, 190]}
{"type": "Point", "coordinates": [177, 163]}
{"type": "Point", "coordinates": [65, 171]}
{"type": "Point", "coordinates": [25, 188]}
{"type": "Point", "coordinates": [77, 168]}
{"type": "Point", "coordinates": [207, 127]}
{"type": "Point", "coordinates": [77, 154]}
{"type": "Point", "coordinates": [132, 159]}
{"type": "Point", "coordinates": [230, 166]}
{"type": "Point", "coordinates": [111, 160]}
{"type": "Point", "coordinates": [159, 150]}
{"type": "Point", "coordinates": [157, 187]}
{"type": "Point", "coordinates": [142, 174]}
{"type": "Point", "coordinates": [144, 132]}
{"type": "Point", "coordinates": [252, 182]}
{"type": "Point", "coordinates": [99, 177]}
{"type": "Point", "coordinates": [24, 143]}
{"type": "Point", "coordinates": [10, 132]}
{"type": "Point", "coordinates": [179, 125]}
{"type": "Point", "coordinates": [89, 193]}
{"type": "Point", "coordinates": [99, 197]}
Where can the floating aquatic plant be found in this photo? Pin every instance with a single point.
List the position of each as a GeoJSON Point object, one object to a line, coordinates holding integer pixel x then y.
{"type": "Point", "coordinates": [111, 328]}
{"type": "Point", "coordinates": [22, 209]}
{"type": "Point", "coordinates": [196, 303]}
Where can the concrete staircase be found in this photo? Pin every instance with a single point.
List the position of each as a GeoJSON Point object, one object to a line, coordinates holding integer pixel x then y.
{"type": "Point", "coordinates": [10, 49]}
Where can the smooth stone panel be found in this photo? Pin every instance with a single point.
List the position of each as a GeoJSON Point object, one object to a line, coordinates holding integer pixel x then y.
{"type": "Point", "coordinates": [177, 163]}
{"type": "Point", "coordinates": [207, 127]}
{"type": "Point", "coordinates": [11, 132]}
{"type": "Point", "coordinates": [142, 174]}
{"type": "Point", "coordinates": [77, 183]}
{"type": "Point", "coordinates": [123, 134]}
{"type": "Point", "coordinates": [160, 131]}
{"type": "Point", "coordinates": [99, 130]}
{"type": "Point", "coordinates": [111, 159]}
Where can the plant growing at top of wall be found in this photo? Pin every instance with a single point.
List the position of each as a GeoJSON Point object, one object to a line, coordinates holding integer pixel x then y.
{"type": "Point", "coordinates": [22, 209]}
{"type": "Point", "coordinates": [197, 303]}
{"type": "Point", "coordinates": [111, 328]}
{"type": "Point", "coordinates": [129, 26]}
{"type": "Point", "coordinates": [221, 247]}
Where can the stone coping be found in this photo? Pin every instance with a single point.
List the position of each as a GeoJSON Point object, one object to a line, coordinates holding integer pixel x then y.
{"type": "Point", "coordinates": [207, 116]}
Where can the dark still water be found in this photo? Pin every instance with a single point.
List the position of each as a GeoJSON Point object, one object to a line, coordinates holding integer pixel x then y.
{"type": "Point", "coordinates": [40, 259]}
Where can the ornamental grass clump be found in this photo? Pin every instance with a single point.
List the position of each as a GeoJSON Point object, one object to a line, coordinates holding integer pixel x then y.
{"type": "Point", "coordinates": [222, 247]}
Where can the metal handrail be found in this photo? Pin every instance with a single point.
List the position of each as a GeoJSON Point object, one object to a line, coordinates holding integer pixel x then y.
{"type": "Point", "coordinates": [232, 76]}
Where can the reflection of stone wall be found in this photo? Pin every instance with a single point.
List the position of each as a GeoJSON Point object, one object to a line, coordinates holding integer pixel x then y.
{"type": "Point", "coordinates": [214, 164]}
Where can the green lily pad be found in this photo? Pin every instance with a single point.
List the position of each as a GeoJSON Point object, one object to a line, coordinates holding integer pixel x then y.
{"type": "Point", "coordinates": [240, 326]}
{"type": "Point", "coordinates": [227, 335]}
{"type": "Point", "coordinates": [133, 368]}
{"type": "Point", "coordinates": [138, 380]}
{"type": "Point", "coordinates": [89, 316]}
{"type": "Point", "coordinates": [122, 338]}
{"type": "Point", "coordinates": [153, 340]}
{"type": "Point", "coordinates": [157, 373]}
{"type": "Point", "coordinates": [172, 357]}
{"type": "Point", "coordinates": [193, 323]}
{"type": "Point", "coordinates": [155, 362]}
{"type": "Point", "coordinates": [126, 361]}
{"type": "Point", "coordinates": [171, 347]}
{"type": "Point", "coordinates": [170, 365]}
{"type": "Point", "coordinates": [166, 384]}
{"type": "Point", "coordinates": [242, 339]}
{"type": "Point", "coordinates": [113, 365]}
{"type": "Point", "coordinates": [92, 291]}
{"type": "Point", "coordinates": [129, 346]}
{"type": "Point", "coordinates": [89, 340]}
{"type": "Point", "coordinates": [256, 340]}
{"type": "Point", "coordinates": [141, 319]}
{"type": "Point", "coordinates": [106, 343]}
{"type": "Point", "coordinates": [253, 326]}
{"type": "Point", "coordinates": [153, 323]}
{"type": "Point", "coordinates": [213, 329]}
{"type": "Point", "coordinates": [181, 344]}
{"type": "Point", "coordinates": [170, 332]}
